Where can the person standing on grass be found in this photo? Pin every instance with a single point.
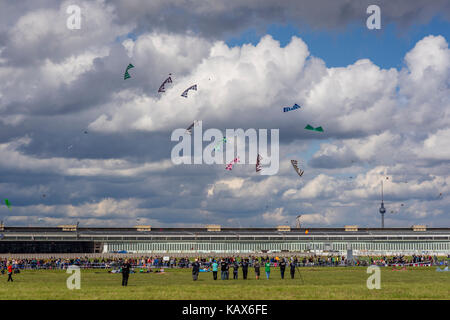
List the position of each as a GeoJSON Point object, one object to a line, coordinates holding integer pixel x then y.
{"type": "Point", "coordinates": [215, 267]}
{"type": "Point", "coordinates": [292, 265]}
{"type": "Point", "coordinates": [227, 270]}
{"type": "Point", "coordinates": [267, 269]}
{"type": "Point", "coordinates": [10, 271]}
{"type": "Point", "coordinates": [257, 269]}
{"type": "Point", "coordinates": [223, 269]}
{"type": "Point", "coordinates": [195, 269]}
{"type": "Point", "coordinates": [235, 270]}
{"type": "Point", "coordinates": [282, 267]}
{"type": "Point", "coordinates": [244, 264]}
{"type": "Point", "coordinates": [125, 272]}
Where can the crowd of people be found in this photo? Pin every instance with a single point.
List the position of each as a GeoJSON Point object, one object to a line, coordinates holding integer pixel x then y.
{"type": "Point", "coordinates": [207, 263]}
{"type": "Point", "coordinates": [225, 265]}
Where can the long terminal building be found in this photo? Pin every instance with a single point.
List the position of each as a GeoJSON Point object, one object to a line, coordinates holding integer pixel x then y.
{"type": "Point", "coordinates": [213, 239]}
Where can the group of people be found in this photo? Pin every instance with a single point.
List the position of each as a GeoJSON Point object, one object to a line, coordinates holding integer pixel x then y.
{"type": "Point", "coordinates": [225, 264]}
{"type": "Point", "coordinates": [93, 263]}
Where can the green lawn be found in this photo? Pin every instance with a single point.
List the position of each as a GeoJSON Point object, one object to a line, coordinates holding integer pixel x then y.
{"type": "Point", "coordinates": [320, 283]}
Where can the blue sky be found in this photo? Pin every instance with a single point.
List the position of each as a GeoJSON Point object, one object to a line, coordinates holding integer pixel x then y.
{"type": "Point", "coordinates": [385, 47]}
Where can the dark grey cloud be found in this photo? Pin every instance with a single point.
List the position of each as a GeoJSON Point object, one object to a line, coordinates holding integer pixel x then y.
{"type": "Point", "coordinates": [216, 19]}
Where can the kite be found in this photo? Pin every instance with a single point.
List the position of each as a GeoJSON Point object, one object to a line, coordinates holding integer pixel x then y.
{"type": "Point", "coordinates": [185, 92]}
{"type": "Point", "coordinates": [230, 165]}
{"type": "Point", "coordinates": [85, 132]}
{"type": "Point", "coordinates": [70, 147]}
{"type": "Point", "coordinates": [397, 209]}
{"type": "Point", "coordinates": [442, 270]}
{"type": "Point", "coordinates": [217, 146]}
{"type": "Point", "coordinates": [306, 231]}
{"type": "Point", "coordinates": [309, 127]}
{"type": "Point", "coordinates": [258, 163]}
{"type": "Point", "coordinates": [295, 165]}
{"type": "Point", "coordinates": [294, 107]}
{"type": "Point", "coordinates": [189, 129]}
{"type": "Point", "coordinates": [168, 80]}
{"type": "Point", "coordinates": [127, 75]}
{"type": "Point", "coordinates": [8, 204]}
{"type": "Point", "coordinates": [402, 269]}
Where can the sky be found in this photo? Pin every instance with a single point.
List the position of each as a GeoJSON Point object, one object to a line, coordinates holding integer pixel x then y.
{"type": "Point", "coordinates": [80, 144]}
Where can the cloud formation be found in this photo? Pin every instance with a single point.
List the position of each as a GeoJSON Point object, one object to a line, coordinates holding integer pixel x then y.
{"type": "Point", "coordinates": [380, 124]}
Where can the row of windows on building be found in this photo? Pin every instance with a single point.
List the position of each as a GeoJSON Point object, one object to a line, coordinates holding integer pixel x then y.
{"type": "Point", "coordinates": [291, 246]}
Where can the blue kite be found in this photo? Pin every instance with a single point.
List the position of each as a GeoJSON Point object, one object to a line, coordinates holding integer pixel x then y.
{"type": "Point", "coordinates": [294, 107]}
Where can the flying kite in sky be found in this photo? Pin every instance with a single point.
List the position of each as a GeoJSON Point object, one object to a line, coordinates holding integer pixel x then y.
{"type": "Point", "coordinates": [230, 165]}
{"type": "Point", "coordinates": [397, 209]}
{"type": "Point", "coordinates": [309, 127]}
{"type": "Point", "coordinates": [185, 92]}
{"type": "Point", "coordinates": [217, 146]}
{"type": "Point", "coordinates": [294, 107]}
{"type": "Point", "coordinates": [297, 169]}
{"type": "Point", "coordinates": [258, 163]}
{"type": "Point", "coordinates": [168, 80]}
{"type": "Point", "coordinates": [189, 129]}
{"type": "Point", "coordinates": [127, 75]}
{"type": "Point", "coordinates": [8, 204]}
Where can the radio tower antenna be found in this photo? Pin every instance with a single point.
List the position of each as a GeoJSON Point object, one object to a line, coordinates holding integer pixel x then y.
{"type": "Point", "coordinates": [382, 209]}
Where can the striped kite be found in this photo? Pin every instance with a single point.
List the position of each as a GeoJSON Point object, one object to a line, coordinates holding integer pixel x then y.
{"type": "Point", "coordinates": [194, 124]}
{"type": "Point", "coordinates": [294, 107]}
{"type": "Point", "coordinates": [258, 163]}
{"type": "Point", "coordinates": [185, 92]}
{"type": "Point", "coordinates": [168, 80]}
{"type": "Point", "coordinates": [127, 75]}
{"type": "Point", "coordinates": [297, 169]}
{"type": "Point", "coordinates": [309, 127]}
{"type": "Point", "coordinates": [230, 165]}
{"type": "Point", "coordinates": [217, 146]}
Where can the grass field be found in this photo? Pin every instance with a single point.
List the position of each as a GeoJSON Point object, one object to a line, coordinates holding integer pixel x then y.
{"type": "Point", "coordinates": [319, 283]}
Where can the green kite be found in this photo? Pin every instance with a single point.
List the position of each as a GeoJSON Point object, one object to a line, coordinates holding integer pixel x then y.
{"type": "Point", "coordinates": [127, 75]}
{"type": "Point", "coordinates": [309, 127]}
{"type": "Point", "coordinates": [8, 204]}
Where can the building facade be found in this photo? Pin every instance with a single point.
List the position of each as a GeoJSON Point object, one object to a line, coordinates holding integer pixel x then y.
{"type": "Point", "coordinates": [216, 240]}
